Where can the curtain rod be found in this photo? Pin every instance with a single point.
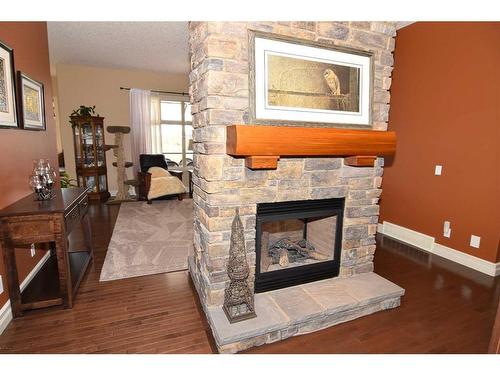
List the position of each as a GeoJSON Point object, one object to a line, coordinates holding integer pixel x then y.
{"type": "Point", "coordinates": [161, 91]}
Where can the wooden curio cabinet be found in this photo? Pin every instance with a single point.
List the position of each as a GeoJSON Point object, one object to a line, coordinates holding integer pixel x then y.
{"type": "Point", "coordinates": [90, 155]}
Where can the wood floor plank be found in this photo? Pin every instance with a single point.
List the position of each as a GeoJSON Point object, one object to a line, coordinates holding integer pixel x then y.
{"type": "Point", "coordinates": [447, 309]}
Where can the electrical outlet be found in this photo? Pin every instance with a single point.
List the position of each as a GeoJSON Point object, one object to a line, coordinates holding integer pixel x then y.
{"type": "Point", "coordinates": [447, 229]}
{"type": "Point", "coordinates": [1, 285]}
{"type": "Point", "coordinates": [475, 241]}
{"type": "Point", "coordinates": [438, 170]}
{"type": "Point", "coordinates": [33, 251]}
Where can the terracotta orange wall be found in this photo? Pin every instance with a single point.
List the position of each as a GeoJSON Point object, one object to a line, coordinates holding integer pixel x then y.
{"type": "Point", "coordinates": [445, 106]}
{"type": "Point", "coordinates": [19, 147]}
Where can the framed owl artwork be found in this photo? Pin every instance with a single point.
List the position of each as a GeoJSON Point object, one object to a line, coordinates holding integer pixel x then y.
{"type": "Point", "coordinates": [295, 82]}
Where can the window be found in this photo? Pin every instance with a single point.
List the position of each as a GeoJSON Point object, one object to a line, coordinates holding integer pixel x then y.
{"type": "Point", "coordinates": [176, 131]}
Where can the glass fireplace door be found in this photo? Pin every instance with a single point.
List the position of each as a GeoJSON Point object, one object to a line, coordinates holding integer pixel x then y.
{"type": "Point", "coordinates": [297, 242]}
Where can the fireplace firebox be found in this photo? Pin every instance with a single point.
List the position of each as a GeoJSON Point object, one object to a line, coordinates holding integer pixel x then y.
{"type": "Point", "coordinates": [297, 242]}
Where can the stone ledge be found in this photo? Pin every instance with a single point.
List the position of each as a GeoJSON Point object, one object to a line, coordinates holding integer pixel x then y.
{"type": "Point", "coordinates": [303, 309]}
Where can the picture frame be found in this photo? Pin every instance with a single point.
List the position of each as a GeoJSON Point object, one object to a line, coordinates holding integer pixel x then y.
{"type": "Point", "coordinates": [31, 103]}
{"type": "Point", "coordinates": [8, 104]}
{"type": "Point", "coordinates": [298, 82]}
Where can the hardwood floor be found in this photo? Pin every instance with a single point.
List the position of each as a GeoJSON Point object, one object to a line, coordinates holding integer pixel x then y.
{"type": "Point", "coordinates": [150, 314]}
{"type": "Point", "coordinates": [447, 309]}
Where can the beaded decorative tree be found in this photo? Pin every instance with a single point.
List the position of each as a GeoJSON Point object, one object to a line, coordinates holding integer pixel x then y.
{"type": "Point", "coordinates": [238, 298]}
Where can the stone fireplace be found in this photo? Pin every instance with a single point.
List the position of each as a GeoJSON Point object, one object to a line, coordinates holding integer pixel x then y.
{"type": "Point", "coordinates": [308, 222]}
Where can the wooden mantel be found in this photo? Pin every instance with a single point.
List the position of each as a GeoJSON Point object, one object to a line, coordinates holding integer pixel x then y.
{"type": "Point", "coordinates": [263, 145]}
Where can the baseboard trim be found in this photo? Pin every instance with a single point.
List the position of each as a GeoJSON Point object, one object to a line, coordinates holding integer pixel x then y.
{"type": "Point", "coordinates": [409, 236]}
{"type": "Point", "coordinates": [5, 316]}
{"type": "Point", "coordinates": [5, 311]}
{"type": "Point", "coordinates": [476, 263]}
{"type": "Point", "coordinates": [427, 243]}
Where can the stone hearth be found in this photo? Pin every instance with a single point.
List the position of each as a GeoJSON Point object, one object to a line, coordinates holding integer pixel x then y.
{"type": "Point", "coordinates": [219, 89]}
{"type": "Point", "coordinates": [304, 309]}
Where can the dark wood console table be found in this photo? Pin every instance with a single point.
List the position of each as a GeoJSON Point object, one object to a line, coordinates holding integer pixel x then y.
{"type": "Point", "coordinates": [63, 222]}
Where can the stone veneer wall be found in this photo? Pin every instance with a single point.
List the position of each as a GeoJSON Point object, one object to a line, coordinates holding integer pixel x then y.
{"type": "Point", "coordinates": [219, 89]}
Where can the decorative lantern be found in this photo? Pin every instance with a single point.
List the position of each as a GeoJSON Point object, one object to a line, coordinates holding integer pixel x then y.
{"type": "Point", "coordinates": [238, 298]}
{"type": "Point", "coordinates": [42, 180]}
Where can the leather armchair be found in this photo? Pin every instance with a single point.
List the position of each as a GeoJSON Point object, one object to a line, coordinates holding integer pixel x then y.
{"type": "Point", "coordinates": [147, 161]}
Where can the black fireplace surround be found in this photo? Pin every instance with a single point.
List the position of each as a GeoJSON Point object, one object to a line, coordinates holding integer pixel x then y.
{"type": "Point", "coordinates": [302, 210]}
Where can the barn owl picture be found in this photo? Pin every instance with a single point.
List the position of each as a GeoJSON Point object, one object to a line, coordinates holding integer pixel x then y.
{"type": "Point", "coordinates": [333, 81]}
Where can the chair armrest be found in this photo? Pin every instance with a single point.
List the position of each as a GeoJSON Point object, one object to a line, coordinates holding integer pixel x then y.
{"type": "Point", "coordinates": [144, 179]}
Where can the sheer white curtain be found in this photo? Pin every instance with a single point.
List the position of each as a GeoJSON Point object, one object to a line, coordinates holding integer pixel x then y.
{"type": "Point", "coordinates": [145, 123]}
{"type": "Point", "coordinates": [156, 145]}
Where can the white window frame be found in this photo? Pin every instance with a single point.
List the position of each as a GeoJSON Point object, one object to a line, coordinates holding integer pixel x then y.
{"type": "Point", "coordinates": [184, 101]}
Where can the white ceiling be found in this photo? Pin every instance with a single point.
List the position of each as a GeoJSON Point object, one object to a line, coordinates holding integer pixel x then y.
{"type": "Point", "coordinates": [154, 46]}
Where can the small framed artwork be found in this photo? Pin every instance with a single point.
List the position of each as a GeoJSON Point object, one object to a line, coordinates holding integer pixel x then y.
{"type": "Point", "coordinates": [31, 103]}
{"type": "Point", "coordinates": [295, 82]}
{"type": "Point", "coordinates": [8, 110]}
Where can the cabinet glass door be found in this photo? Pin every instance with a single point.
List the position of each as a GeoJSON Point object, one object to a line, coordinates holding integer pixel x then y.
{"type": "Point", "coordinates": [78, 150]}
{"type": "Point", "coordinates": [91, 183]}
{"type": "Point", "coordinates": [88, 145]}
{"type": "Point", "coordinates": [99, 139]}
{"type": "Point", "coordinates": [102, 183]}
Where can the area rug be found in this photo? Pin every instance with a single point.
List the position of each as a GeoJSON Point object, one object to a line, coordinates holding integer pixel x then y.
{"type": "Point", "coordinates": [149, 239]}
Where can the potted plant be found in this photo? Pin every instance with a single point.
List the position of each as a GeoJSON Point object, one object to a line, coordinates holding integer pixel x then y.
{"type": "Point", "coordinates": [82, 111]}
{"type": "Point", "coordinates": [66, 181]}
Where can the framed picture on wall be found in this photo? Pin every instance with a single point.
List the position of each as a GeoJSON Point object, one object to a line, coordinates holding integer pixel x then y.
{"type": "Point", "coordinates": [31, 103]}
{"type": "Point", "coordinates": [297, 82]}
{"type": "Point", "coordinates": [8, 110]}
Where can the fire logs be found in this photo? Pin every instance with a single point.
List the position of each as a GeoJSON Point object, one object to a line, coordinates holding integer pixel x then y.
{"type": "Point", "coordinates": [286, 251]}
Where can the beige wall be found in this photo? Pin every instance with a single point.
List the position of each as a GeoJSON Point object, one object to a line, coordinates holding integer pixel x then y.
{"type": "Point", "coordinates": [57, 120]}
{"type": "Point", "coordinates": [85, 85]}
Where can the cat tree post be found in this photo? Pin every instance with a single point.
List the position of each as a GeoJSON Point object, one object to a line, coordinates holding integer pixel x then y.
{"type": "Point", "coordinates": [122, 194]}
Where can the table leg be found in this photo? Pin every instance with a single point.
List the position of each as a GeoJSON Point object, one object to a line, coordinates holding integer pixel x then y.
{"type": "Point", "coordinates": [65, 286]}
{"type": "Point", "coordinates": [12, 276]}
{"type": "Point", "coordinates": [87, 232]}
